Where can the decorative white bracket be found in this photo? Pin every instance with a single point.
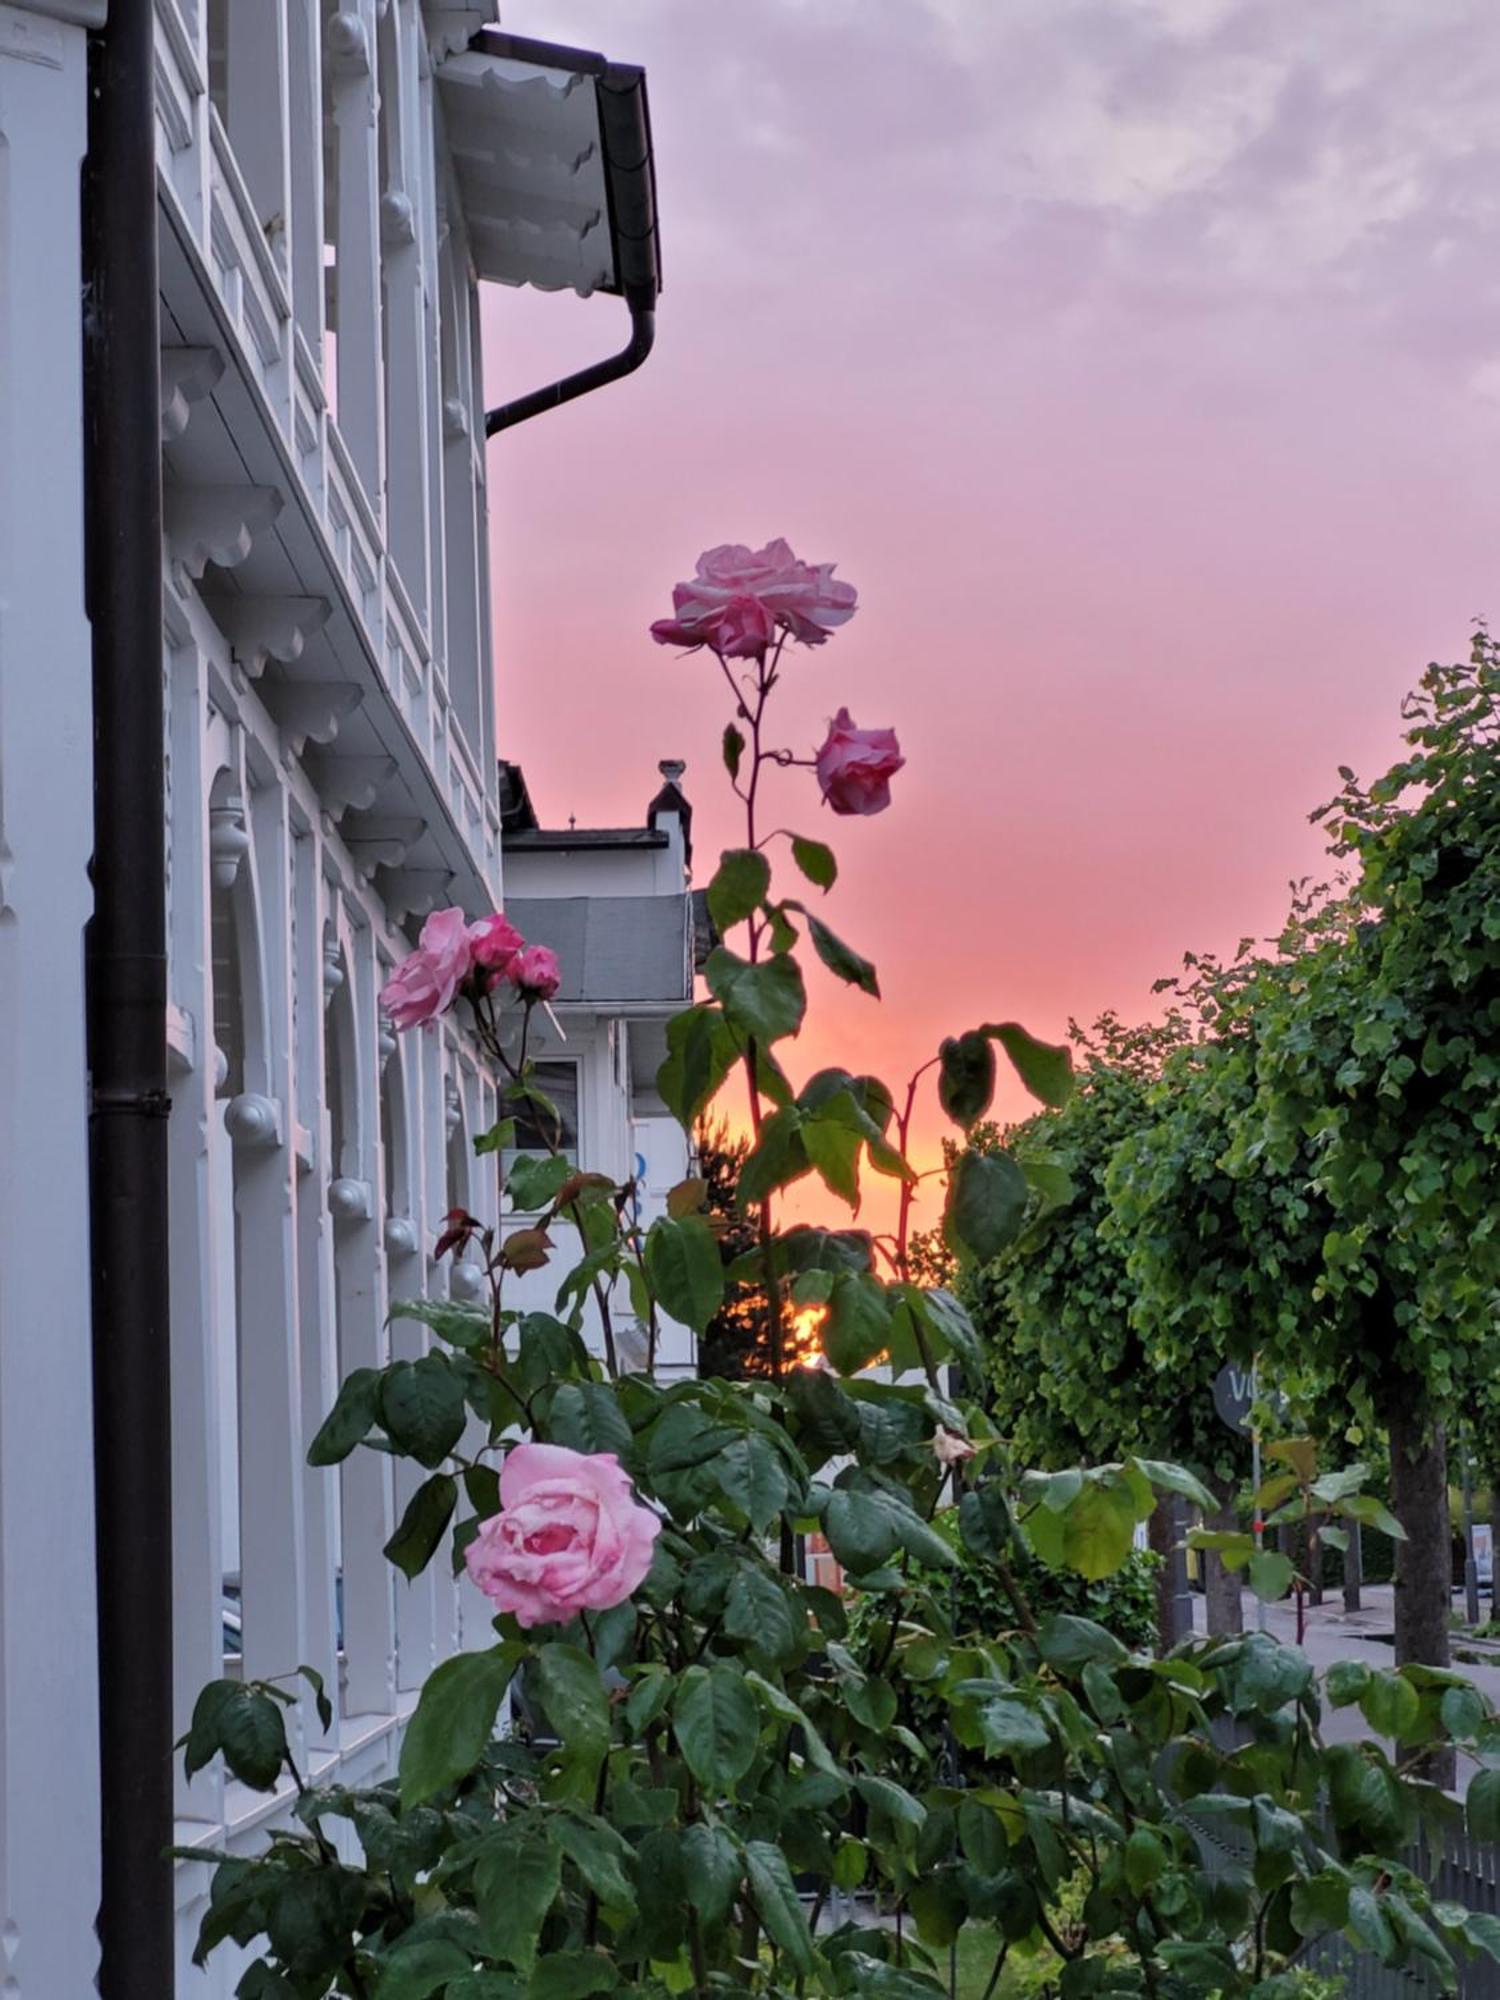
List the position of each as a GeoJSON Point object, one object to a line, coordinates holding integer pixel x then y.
{"type": "Point", "coordinates": [400, 1236]}
{"type": "Point", "coordinates": [217, 524]}
{"type": "Point", "coordinates": [314, 709]}
{"type": "Point", "coordinates": [455, 418]}
{"type": "Point", "coordinates": [377, 841]}
{"type": "Point", "coordinates": [253, 1122]}
{"type": "Point", "coordinates": [398, 220]}
{"type": "Point", "coordinates": [228, 841]}
{"type": "Point", "coordinates": [188, 375]}
{"type": "Point", "coordinates": [413, 892]}
{"type": "Point", "coordinates": [333, 965]}
{"type": "Point", "coordinates": [385, 1040]}
{"type": "Point", "coordinates": [465, 1281]}
{"type": "Point", "coordinates": [350, 1200]}
{"type": "Point", "coordinates": [346, 47]}
{"type": "Point", "coordinates": [348, 784]}
{"type": "Point", "coordinates": [453, 1110]}
{"type": "Point", "coordinates": [268, 628]}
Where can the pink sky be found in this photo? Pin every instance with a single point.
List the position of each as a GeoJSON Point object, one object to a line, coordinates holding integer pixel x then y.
{"type": "Point", "coordinates": [1138, 360]}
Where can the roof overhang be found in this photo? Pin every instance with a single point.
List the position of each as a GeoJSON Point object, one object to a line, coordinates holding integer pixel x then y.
{"type": "Point", "coordinates": [552, 151]}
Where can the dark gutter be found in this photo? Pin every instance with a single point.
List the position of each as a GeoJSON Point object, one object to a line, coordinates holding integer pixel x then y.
{"type": "Point", "coordinates": [532, 840]}
{"type": "Point", "coordinates": [127, 1008]}
{"type": "Point", "coordinates": [630, 189]}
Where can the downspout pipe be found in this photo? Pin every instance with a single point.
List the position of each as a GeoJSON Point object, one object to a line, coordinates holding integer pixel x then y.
{"type": "Point", "coordinates": [126, 973]}
{"type": "Point", "coordinates": [630, 188]}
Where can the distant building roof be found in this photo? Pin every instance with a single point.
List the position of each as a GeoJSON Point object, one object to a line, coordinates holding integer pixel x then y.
{"type": "Point", "coordinates": [529, 840]}
{"type": "Point", "coordinates": [613, 950]}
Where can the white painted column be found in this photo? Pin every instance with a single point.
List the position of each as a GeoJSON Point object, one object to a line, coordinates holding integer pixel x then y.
{"type": "Point", "coordinates": [257, 104]}
{"type": "Point", "coordinates": [405, 317]}
{"type": "Point", "coordinates": [49, 1791]}
{"type": "Point", "coordinates": [361, 395]}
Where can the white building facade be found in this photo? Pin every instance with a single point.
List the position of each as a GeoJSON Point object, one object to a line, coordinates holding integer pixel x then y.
{"type": "Point", "coordinates": [334, 184]}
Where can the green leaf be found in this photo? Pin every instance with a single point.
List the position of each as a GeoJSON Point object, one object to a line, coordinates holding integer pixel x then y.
{"type": "Point", "coordinates": [986, 1204]}
{"type": "Point", "coordinates": [516, 1880]}
{"type": "Point", "coordinates": [833, 1149]}
{"type": "Point", "coordinates": [717, 1724]}
{"type": "Point", "coordinates": [749, 1471]}
{"type": "Point", "coordinates": [454, 1720]}
{"type": "Point", "coordinates": [1010, 1728]}
{"type": "Point", "coordinates": [418, 1971]}
{"type": "Point", "coordinates": [1145, 1860]}
{"type": "Point", "coordinates": [766, 1000]}
{"type": "Point", "coordinates": [1463, 1711]}
{"type": "Point", "coordinates": [892, 1799]}
{"type": "Point", "coordinates": [1270, 1574]}
{"type": "Point", "coordinates": [816, 861]}
{"type": "Point", "coordinates": [860, 1532]}
{"type": "Point", "coordinates": [858, 1326]}
{"type": "Point", "coordinates": [1367, 1923]}
{"type": "Point", "coordinates": [780, 1907]}
{"type": "Point", "coordinates": [533, 1179]}
{"type": "Point", "coordinates": [841, 959]}
{"type": "Point", "coordinates": [759, 1612]}
{"type": "Point", "coordinates": [586, 1416]}
{"type": "Point", "coordinates": [685, 1269]}
{"type": "Point", "coordinates": [714, 1870]}
{"type": "Point", "coordinates": [427, 1514]}
{"type": "Point", "coordinates": [252, 1735]}
{"type": "Point", "coordinates": [320, 1696]}
{"type": "Point", "coordinates": [1068, 1643]}
{"type": "Point", "coordinates": [1044, 1068]}
{"type": "Point", "coordinates": [1176, 1479]}
{"type": "Point", "coordinates": [739, 887]}
{"type": "Point", "coordinates": [461, 1326]}
{"type": "Point", "coordinates": [499, 1139]}
{"type": "Point", "coordinates": [1346, 1682]}
{"type": "Point", "coordinates": [573, 1699]}
{"type": "Point", "coordinates": [1098, 1531]}
{"type": "Point", "coordinates": [599, 1854]}
{"type": "Point", "coordinates": [1482, 1806]}
{"type": "Point", "coordinates": [1391, 1705]}
{"type": "Point", "coordinates": [353, 1416]}
{"type": "Point", "coordinates": [701, 1051]}
{"type": "Point", "coordinates": [776, 1160]}
{"type": "Point", "coordinates": [966, 1076]}
{"type": "Point", "coordinates": [422, 1406]}
{"type": "Point", "coordinates": [572, 1975]}
{"type": "Point", "coordinates": [734, 749]}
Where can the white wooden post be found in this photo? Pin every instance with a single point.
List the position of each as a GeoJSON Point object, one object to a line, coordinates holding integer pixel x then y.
{"type": "Point", "coordinates": [346, 58]}
{"type": "Point", "coordinates": [256, 67]}
{"type": "Point", "coordinates": [305, 128]}
{"type": "Point", "coordinates": [49, 1790]}
{"type": "Point", "coordinates": [406, 409]}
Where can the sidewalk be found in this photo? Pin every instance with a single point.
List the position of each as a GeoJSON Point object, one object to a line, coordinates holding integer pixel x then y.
{"type": "Point", "coordinates": [1333, 1634]}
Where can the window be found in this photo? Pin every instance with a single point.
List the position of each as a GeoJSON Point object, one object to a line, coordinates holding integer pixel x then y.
{"type": "Point", "coordinates": [537, 1130]}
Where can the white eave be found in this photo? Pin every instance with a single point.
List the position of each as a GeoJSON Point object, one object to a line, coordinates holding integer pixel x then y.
{"type": "Point", "coordinates": [529, 157]}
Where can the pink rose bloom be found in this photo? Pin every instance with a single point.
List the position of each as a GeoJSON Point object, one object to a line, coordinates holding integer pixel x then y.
{"type": "Point", "coordinates": [570, 1536]}
{"type": "Point", "coordinates": [741, 598]}
{"type": "Point", "coordinates": [535, 973]}
{"type": "Point", "coordinates": [495, 942]}
{"type": "Point", "coordinates": [426, 984]}
{"type": "Point", "coordinates": [855, 766]}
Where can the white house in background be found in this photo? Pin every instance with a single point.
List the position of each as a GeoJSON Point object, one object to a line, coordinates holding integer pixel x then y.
{"type": "Point", "coordinates": [335, 181]}
{"type": "Point", "coordinates": [616, 905]}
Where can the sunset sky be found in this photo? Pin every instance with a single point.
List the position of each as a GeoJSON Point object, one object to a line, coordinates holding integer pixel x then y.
{"type": "Point", "coordinates": [1138, 361]}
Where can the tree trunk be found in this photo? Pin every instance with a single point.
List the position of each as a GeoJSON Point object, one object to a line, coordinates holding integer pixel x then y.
{"type": "Point", "coordinates": [1315, 1560]}
{"type": "Point", "coordinates": [1354, 1567]}
{"type": "Point", "coordinates": [1223, 1610]}
{"type": "Point", "coordinates": [1424, 1561]}
{"type": "Point", "coordinates": [1494, 1535]}
{"type": "Point", "coordinates": [1174, 1600]}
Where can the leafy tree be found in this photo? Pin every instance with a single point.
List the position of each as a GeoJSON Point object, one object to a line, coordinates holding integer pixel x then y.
{"type": "Point", "coordinates": [1076, 1372]}
{"type": "Point", "coordinates": [1348, 1227]}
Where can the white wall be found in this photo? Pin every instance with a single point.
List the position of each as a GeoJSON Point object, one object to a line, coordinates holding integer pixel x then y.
{"type": "Point", "coordinates": [49, 1877]}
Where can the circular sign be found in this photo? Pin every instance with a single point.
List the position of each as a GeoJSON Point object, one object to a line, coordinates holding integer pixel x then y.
{"type": "Point", "coordinates": [1234, 1395]}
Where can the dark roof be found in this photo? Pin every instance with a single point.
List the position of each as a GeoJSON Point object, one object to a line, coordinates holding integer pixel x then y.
{"type": "Point", "coordinates": [613, 950]}
{"type": "Point", "coordinates": [538, 837]}
{"type": "Point", "coordinates": [516, 810]}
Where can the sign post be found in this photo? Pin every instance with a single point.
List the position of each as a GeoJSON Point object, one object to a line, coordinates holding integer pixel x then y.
{"type": "Point", "coordinates": [1235, 1391]}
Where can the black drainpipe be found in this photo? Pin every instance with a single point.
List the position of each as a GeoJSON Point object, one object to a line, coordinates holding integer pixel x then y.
{"type": "Point", "coordinates": [630, 191]}
{"type": "Point", "coordinates": [127, 1003]}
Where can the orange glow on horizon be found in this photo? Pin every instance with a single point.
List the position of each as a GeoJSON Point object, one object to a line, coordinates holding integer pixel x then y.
{"type": "Point", "coordinates": [804, 1347]}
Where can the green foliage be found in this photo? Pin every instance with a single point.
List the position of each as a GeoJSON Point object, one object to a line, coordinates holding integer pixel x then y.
{"type": "Point", "coordinates": [655, 1796]}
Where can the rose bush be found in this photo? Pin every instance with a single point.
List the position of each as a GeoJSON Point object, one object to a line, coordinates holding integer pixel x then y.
{"type": "Point", "coordinates": [697, 1762]}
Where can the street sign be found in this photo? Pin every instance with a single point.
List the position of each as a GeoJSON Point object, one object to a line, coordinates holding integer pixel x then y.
{"type": "Point", "coordinates": [1234, 1396]}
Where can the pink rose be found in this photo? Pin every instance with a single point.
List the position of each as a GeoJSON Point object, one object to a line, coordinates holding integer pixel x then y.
{"type": "Point", "coordinates": [740, 599]}
{"type": "Point", "coordinates": [426, 984]}
{"type": "Point", "coordinates": [495, 942]}
{"type": "Point", "coordinates": [570, 1536]}
{"type": "Point", "coordinates": [535, 973]}
{"type": "Point", "coordinates": [855, 766]}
